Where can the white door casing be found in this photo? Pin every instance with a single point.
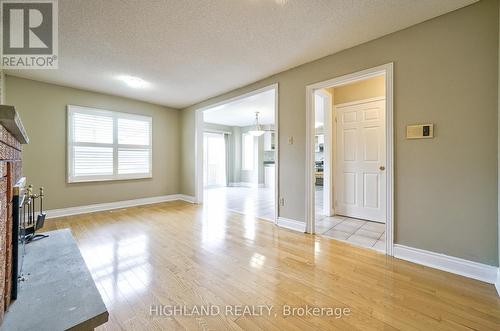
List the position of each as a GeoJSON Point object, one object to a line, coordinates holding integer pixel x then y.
{"type": "Point", "coordinates": [323, 99]}
{"type": "Point", "coordinates": [198, 135]}
{"type": "Point", "coordinates": [386, 70]}
{"type": "Point", "coordinates": [360, 189]}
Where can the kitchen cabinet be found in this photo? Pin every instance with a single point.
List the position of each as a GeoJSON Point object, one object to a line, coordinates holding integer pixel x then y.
{"type": "Point", "coordinates": [269, 176]}
{"type": "Point", "coordinates": [319, 142]}
{"type": "Point", "coordinates": [269, 141]}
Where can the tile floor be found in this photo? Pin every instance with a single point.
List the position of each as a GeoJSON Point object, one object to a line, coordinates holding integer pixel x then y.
{"type": "Point", "coordinates": [257, 202]}
{"type": "Point", "coordinates": [318, 199]}
{"type": "Point", "coordinates": [358, 232]}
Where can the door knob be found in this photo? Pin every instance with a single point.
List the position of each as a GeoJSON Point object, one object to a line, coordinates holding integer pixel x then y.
{"type": "Point", "coordinates": [382, 168]}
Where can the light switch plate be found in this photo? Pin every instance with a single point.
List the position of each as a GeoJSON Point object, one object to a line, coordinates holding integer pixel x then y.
{"type": "Point", "coordinates": [420, 131]}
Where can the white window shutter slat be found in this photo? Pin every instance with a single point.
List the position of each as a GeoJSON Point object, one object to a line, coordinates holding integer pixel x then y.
{"type": "Point", "coordinates": [97, 152]}
{"type": "Point", "coordinates": [133, 132]}
{"type": "Point", "coordinates": [133, 161]}
{"type": "Point", "coordinates": [92, 128]}
{"type": "Point", "coordinates": [93, 160]}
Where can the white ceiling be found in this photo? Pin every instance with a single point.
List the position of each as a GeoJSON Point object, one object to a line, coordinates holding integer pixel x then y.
{"type": "Point", "coordinates": [242, 112]}
{"type": "Point", "coordinates": [191, 50]}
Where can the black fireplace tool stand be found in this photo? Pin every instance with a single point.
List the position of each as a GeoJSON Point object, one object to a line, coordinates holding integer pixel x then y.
{"type": "Point", "coordinates": [33, 225]}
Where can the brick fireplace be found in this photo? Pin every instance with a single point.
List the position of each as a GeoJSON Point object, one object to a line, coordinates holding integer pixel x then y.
{"type": "Point", "coordinates": [10, 169]}
{"type": "Point", "coordinates": [12, 135]}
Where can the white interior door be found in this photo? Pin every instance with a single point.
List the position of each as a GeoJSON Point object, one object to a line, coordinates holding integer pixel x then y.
{"type": "Point", "coordinates": [360, 189]}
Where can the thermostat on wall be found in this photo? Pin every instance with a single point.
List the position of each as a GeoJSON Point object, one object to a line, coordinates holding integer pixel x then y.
{"type": "Point", "coordinates": [420, 131]}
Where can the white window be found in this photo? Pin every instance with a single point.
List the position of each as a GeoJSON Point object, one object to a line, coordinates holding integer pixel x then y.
{"type": "Point", "coordinates": [108, 145]}
{"type": "Point", "coordinates": [248, 151]}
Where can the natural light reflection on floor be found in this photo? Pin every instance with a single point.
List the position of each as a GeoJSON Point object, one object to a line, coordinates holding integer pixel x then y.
{"type": "Point", "coordinates": [213, 223]}
{"type": "Point", "coordinates": [317, 248]}
{"type": "Point", "coordinates": [257, 260]}
{"type": "Point", "coordinates": [219, 202]}
{"type": "Point", "coordinates": [249, 224]}
{"type": "Point", "coordinates": [120, 266]}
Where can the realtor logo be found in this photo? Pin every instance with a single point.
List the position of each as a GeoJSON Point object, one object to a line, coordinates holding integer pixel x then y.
{"type": "Point", "coordinates": [29, 34]}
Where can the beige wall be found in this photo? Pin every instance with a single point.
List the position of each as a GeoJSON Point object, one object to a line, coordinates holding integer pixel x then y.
{"type": "Point", "coordinates": [446, 73]}
{"type": "Point", "coordinates": [365, 89]}
{"type": "Point", "coordinates": [42, 108]}
{"type": "Point", "coordinates": [187, 158]}
{"type": "Point", "coordinates": [2, 87]}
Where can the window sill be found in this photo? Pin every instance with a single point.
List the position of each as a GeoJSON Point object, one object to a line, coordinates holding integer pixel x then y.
{"type": "Point", "coordinates": [106, 179]}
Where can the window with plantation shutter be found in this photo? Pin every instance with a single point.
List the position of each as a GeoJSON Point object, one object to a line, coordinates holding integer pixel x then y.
{"type": "Point", "coordinates": [108, 145]}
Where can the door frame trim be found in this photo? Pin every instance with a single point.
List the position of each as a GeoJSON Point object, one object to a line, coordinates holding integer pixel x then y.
{"type": "Point", "coordinates": [199, 143]}
{"type": "Point", "coordinates": [386, 70]}
{"type": "Point", "coordinates": [359, 102]}
{"type": "Point", "coordinates": [328, 166]}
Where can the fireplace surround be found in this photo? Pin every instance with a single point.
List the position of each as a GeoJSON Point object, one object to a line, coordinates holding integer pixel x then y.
{"type": "Point", "coordinates": [12, 135]}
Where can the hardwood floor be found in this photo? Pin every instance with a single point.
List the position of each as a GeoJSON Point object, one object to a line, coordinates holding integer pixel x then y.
{"type": "Point", "coordinates": [244, 200]}
{"type": "Point", "coordinates": [181, 254]}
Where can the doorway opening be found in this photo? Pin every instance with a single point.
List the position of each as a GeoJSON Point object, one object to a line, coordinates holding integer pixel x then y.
{"type": "Point", "coordinates": [236, 154]}
{"type": "Point", "coordinates": [349, 182]}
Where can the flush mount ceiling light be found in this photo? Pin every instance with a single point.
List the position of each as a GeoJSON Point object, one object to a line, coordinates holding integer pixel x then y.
{"type": "Point", "coordinates": [132, 81]}
{"type": "Point", "coordinates": [257, 130]}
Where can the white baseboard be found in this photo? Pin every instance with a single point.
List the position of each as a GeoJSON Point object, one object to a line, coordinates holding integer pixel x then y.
{"type": "Point", "coordinates": [497, 283]}
{"type": "Point", "coordinates": [470, 269]}
{"type": "Point", "coordinates": [246, 184]}
{"type": "Point", "coordinates": [292, 224]}
{"type": "Point", "coordinates": [116, 205]}
{"type": "Point", "coordinates": [187, 198]}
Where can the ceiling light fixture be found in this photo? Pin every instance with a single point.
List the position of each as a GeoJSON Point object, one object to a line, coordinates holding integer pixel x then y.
{"type": "Point", "coordinates": [257, 131]}
{"type": "Point", "coordinates": [134, 82]}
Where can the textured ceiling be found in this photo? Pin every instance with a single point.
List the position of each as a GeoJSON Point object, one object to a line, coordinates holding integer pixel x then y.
{"type": "Point", "coordinates": [242, 112]}
{"type": "Point", "coordinates": [190, 50]}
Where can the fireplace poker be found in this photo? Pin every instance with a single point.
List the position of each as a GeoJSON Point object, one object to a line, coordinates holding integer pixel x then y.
{"type": "Point", "coordinates": [40, 220]}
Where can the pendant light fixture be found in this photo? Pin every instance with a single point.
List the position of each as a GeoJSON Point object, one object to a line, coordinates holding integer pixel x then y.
{"type": "Point", "coordinates": [257, 130]}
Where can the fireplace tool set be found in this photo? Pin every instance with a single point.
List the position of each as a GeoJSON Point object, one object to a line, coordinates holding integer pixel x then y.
{"type": "Point", "coordinates": [34, 221]}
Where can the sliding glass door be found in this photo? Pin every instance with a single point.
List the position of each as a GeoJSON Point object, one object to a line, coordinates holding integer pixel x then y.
{"type": "Point", "coordinates": [214, 158]}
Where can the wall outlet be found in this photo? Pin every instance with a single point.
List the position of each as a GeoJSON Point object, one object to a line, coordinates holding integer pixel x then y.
{"type": "Point", "coordinates": [290, 140]}
{"type": "Point", "coordinates": [282, 201]}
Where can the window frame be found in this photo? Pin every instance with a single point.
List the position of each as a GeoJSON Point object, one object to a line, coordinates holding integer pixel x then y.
{"type": "Point", "coordinates": [71, 178]}
{"type": "Point", "coordinates": [243, 152]}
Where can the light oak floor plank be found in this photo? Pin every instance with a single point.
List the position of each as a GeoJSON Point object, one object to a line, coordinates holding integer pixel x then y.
{"type": "Point", "coordinates": [181, 254]}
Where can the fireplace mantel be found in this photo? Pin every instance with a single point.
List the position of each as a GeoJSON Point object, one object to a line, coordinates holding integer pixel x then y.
{"type": "Point", "coordinates": [10, 120]}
